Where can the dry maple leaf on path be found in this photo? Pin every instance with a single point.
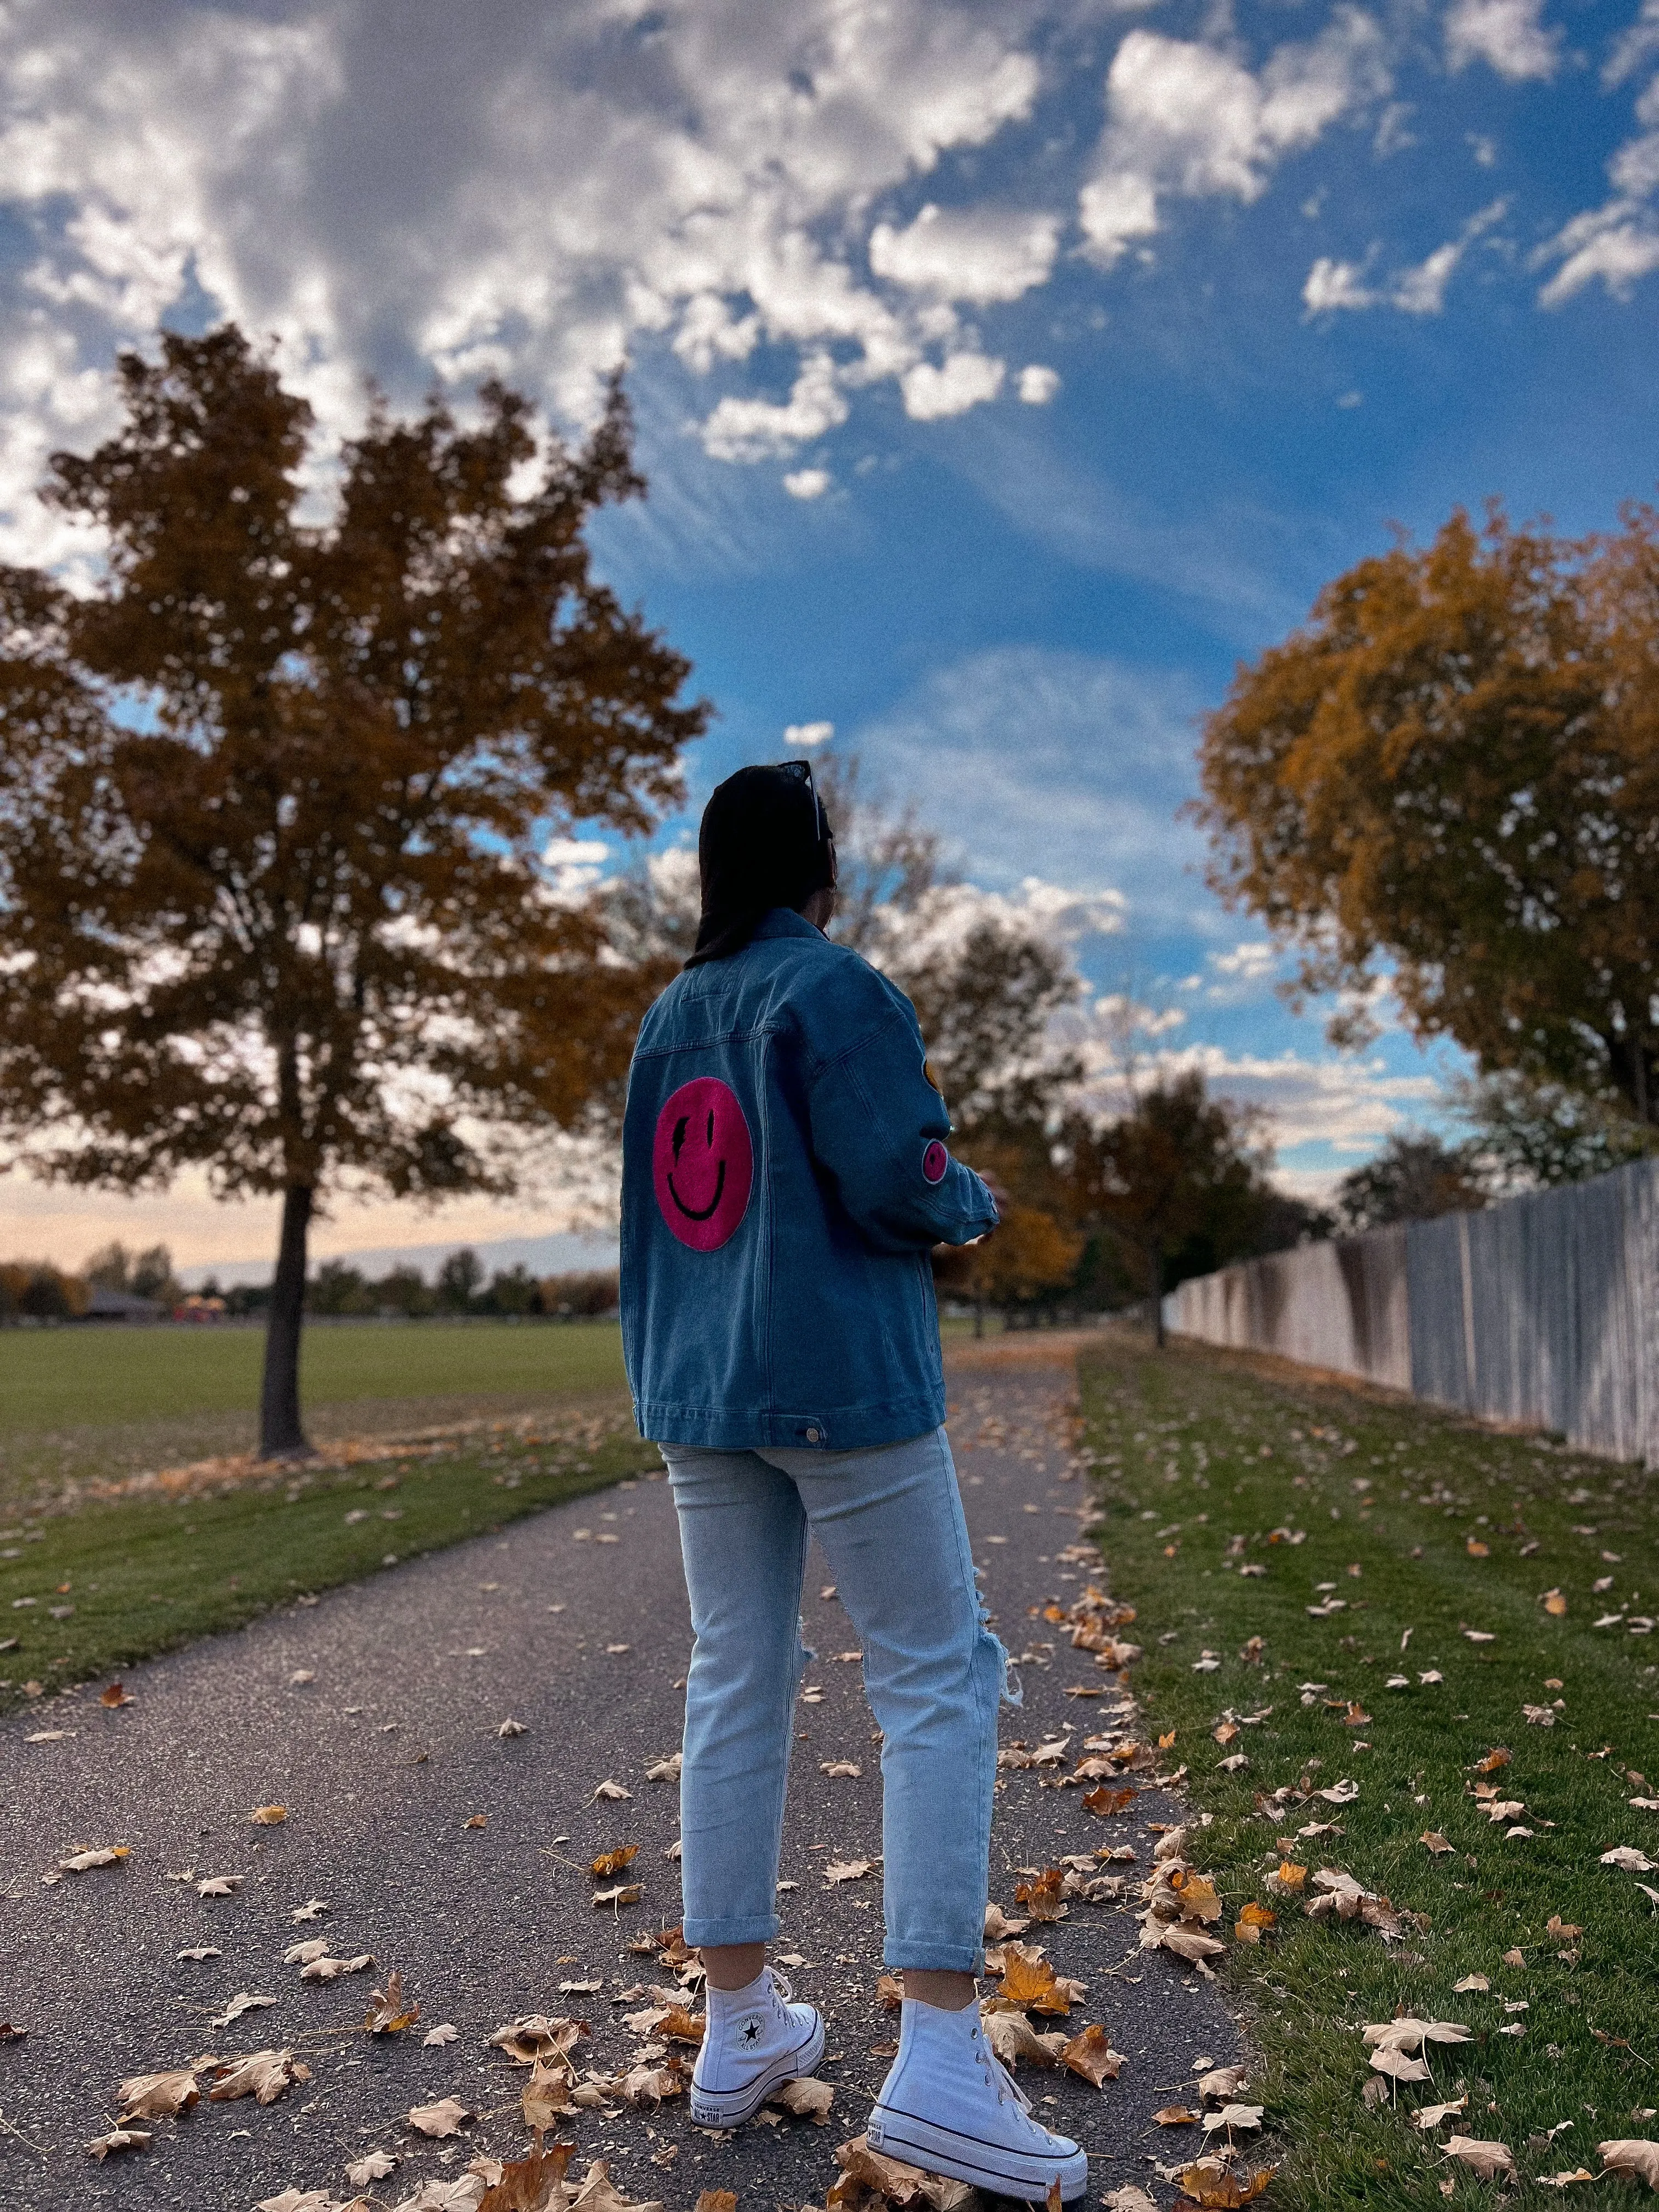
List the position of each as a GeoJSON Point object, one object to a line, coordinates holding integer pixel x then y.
{"type": "Point", "coordinates": [243, 2001]}
{"type": "Point", "coordinates": [533, 2183]}
{"type": "Point", "coordinates": [220, 1885]}
{"type": "Point", "coordinates": [1013, 2037]}
{"type": "Point", "coordinates": [1091, 2055]}
{"type": "Point", "coordinates": [330, 1969]}
{"type": "Point", "coordinates": [625, 1893]}
{"type": "Point", "coordinates": [312, 1908]}
{"type": "Point", "coordinates": [717, 2200]}
{"type": "Point", "coordinates": [82, 1861]}
{"type": "Point", "coordinates": [119, 2139]}
{"type": "Point", "coordinates": [446, 2118]}
{"type": "Point", "coordinates": [436, 2037]}
{"type": "Point", "coordinates": [840, 1870]}
{"type": "Point", "coordinates": [375, 2167]}
{"type": "Point", "coordinates": [116, 1696]}
{"type": "Point", "coordinates": [609, 1793]}
{"type": "Point", "coordinates": [302, 1954]}
{"type": "Point", "coordinates": [806, 2098]}
{"type": "Point", "coordinates": [598, 2193]}
{"type": "Point", "coordinates": [268, 1816]}
{"type": "Point", "coordinates": [391, 2012]}
{"type": "Point", "coordinates": [265, 2075]}
{"type": "Point", "coordinates": [157, 2096]}
{"type": "Point", "coordinates": [610, 1862]}
{"type": "Point", "coordinates": [1211, 2183]}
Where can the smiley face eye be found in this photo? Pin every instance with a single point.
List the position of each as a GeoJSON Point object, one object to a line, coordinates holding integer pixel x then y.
{"type": "Point", "coordinates": [680, 1127]}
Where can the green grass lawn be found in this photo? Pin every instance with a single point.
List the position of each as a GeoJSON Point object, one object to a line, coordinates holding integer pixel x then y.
{"type": "Point", "coordinates": [139, 1575]}
{"type": "Point", "coordinates": [1426, 1529]}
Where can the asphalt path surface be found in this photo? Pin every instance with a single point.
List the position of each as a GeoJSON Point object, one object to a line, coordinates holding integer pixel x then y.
{"type": "Point", "coordinates": [460, 1857]}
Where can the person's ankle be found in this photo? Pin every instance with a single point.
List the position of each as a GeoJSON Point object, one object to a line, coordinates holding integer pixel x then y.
{"type": "Point", "coordinates": [943, 1990]}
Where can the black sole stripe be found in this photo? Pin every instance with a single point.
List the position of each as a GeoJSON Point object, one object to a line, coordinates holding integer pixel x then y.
{"type": "Point", "coordinates": [974, 2144]}
{"type": "Point", "coordinates": [788, 2069]}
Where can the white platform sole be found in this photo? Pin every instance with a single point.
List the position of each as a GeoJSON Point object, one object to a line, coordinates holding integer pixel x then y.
{"type": "Point", "coordinates": [731, 2107]}
{"type": "Point", "coordinates": [987, 2166]}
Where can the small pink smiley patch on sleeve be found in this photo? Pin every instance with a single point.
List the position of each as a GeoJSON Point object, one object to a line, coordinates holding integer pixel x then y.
{"type": "Point", "coordinates": [702, 1162]}
{"type": "Point", "coordinates": [934, 1161]}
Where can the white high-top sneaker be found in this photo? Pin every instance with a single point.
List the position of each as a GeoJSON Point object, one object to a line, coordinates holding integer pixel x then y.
{"type": "Point", "coordinates": [754, 2040]}
{"type": "Point", "coordinates": [950, 2105]}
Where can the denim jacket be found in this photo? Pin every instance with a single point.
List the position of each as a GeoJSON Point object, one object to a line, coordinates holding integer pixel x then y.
{"type": "Point", "coordinates": [784, 1175]}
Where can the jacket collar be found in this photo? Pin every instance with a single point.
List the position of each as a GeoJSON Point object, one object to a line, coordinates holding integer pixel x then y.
{"type": "Point", "coordinates": [784, 921]}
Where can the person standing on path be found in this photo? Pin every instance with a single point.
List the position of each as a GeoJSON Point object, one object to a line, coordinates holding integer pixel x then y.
{"type": "Point", "coordinates": [785, 1175]}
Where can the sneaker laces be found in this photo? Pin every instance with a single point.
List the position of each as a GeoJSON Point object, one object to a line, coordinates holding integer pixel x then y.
{"type": "Point", "coordinates": [782, 1989]}
{"type": "Point", "coordinates": [997, 2075]}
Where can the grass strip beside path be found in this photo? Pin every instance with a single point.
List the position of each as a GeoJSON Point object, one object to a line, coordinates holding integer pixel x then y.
{"type": "Point", "coordinates": [1426, 1529]}
{"type": "Point", "coordinates": [140, 1576]}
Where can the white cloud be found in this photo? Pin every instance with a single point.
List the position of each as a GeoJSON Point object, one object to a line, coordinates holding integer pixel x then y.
{"type": "Point", "coordinates": [1618, 243]}
{"type": "Point", "coordinates": [1633, 45]}
{"type": "Point", "coordinates": [808, 734]}
{"type": "Point", "coordinates": [757, 429]}
{"type": "Point", "coordinates": [1419, 289]}
{"type": "Point", "coordinates": [1506, 33]}
{"type": "Point", "coordinates": [1185, 117]}
{"type": "Point", "coordinates": [807, 483]}
{"type": "Point", "coordinates": [1057, 765]}
{"type": "Point", "coordinates": [965, 381]}
{"type": "Point", "coordinates": [1038, 384]}
{"type": "Point", "coordinates": [575, 865]}
{"type": "Point", "coordinates": [978, 254]}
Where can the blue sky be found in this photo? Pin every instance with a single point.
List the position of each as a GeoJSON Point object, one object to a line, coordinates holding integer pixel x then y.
{"type": "Point", "coordinates": [1003, 373]}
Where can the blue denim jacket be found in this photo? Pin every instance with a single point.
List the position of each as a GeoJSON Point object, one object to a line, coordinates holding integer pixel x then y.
{"type": "Point", "coordinates": [784, 1174]}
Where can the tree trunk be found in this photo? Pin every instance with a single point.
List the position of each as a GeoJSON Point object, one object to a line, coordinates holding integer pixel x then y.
{"type": "Point", "coordinates": [281, 1436]}
{"type": "Point", "coordinates": [1155, 1258]}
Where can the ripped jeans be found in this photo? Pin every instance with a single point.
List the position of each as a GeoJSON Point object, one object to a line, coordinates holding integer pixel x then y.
{"type": "Point", "coordinates": [890, 1520]}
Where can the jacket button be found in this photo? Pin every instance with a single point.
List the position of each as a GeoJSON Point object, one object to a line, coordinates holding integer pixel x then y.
{"type": "Point", "coordinates": [811, 1435]}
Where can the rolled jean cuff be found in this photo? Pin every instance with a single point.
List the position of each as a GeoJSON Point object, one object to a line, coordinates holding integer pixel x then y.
{"type": "Point", "coordinates": [933, 1958]}
{"type": "Point", "coordinates": [759, 1928]}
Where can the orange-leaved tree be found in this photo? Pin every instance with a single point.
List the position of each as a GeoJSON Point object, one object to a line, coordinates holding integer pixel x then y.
{"type": "Point", "coordinates": [274, 796]}
{"type": "Point", "coordinates": [1451, 776]}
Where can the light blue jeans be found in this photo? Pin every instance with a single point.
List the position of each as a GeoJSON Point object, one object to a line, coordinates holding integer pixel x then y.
{"type": "Point", "coordinates": [890, 1522]}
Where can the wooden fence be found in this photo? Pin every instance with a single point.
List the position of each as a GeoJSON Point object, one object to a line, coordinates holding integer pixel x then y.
{"type": "Point", "coordinates": [1543, 1309]}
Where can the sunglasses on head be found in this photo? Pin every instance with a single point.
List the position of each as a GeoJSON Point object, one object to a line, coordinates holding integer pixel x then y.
{"type": "Point", "coordinates": [802, 772]}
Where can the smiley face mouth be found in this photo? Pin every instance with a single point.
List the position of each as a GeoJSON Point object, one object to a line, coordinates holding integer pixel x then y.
{"type": "Point", "coordinates": [700, 1213]}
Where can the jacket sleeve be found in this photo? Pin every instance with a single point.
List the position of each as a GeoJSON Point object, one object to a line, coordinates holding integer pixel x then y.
{"type": "Point", "coordinates": [879, 1130]}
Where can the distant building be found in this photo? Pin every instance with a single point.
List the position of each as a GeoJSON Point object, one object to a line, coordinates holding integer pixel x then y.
{"type": "Point", "coordinates": [121, 1306]}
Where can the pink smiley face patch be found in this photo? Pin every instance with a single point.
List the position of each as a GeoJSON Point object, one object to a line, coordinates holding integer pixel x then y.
{"type": "Point", "coordinates": [703, 1163]}
{"type": "Point", "coordinates": [934, 1161]}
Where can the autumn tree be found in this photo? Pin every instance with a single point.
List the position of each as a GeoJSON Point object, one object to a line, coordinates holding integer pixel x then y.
{"type": "Point", "coordinates": [1450, 779]}
{"type": "Point", "coordinates": [273, 797]}
{"type": "Point", "coordinates": [1415, 1177]}
{"type": "Point", "coordinates": [1179, 1174]}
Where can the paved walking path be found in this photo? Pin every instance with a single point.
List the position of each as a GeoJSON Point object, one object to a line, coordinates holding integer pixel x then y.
{"type": "Point", "coordinates": [460, 1857]}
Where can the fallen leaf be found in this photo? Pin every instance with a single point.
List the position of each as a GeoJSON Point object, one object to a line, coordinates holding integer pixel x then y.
{"type": "Point", "coordinates": [890, 1991]}
{"type": "Point", "coordinates": [1411, 2034]}
{"type": "Point", "coordinates": [1430, 2116]}
{"type": "Point", "coordinates": [1632, 1862]}
{"type": "Point", "coordinates": [665, 1770]}
{"type": "Point", "coordinates": [1211, 2183]}
{"type": "Point", "coordinates": [1042, 1898]}
{"type": "Point", "coordinates": [840, 1769]}
{"type": "Point", "coordinates": [1175, 2116]}
{"type": "Point", "coordinates": [999, 1927]}
{"type": "Point", "coordinates": [312, 1908]}
{"type": "Point", "coordinates": [1398, 2066]}
{"type": "Point", "coordinates": [374, 2167]}
{"type": "Point", "coordinates": [116, 1696]}
{"type": "Point", "coordinates": [118, 2139]}
{"type": "Point", "coordinates": [1244, 2117]}
{"type": "Point", "coordinates": [82, 1862]}
{"type": "Point", "coordinates": [1091, 2055]}
{"type": "Point", "coordinates": [841, 1870]}
{"type": "Point", "coordinates": [265, 2075]}
{"type": "Point", "coordinates": [1435, 1842]}
{"type": "Point", "coordinates": [1131, 2197]}
{"type": "Point", "coordinates": [1499, 1757]}
{"type": "Point", "coordinates": [1029, 1981]}
{"type": "Point", "coordinates": [547, 2093]}
{"type": "Point", "coordinates": [610, 1862]}
{"type": "Point", "coordinates": [1107, 1802]}
{"type": "Point", "coordinates": [1563, 1930]}
{"type": "Point", "coordinates": [476, 1821]}
{"type": "Point", "coordinates": [597, 2193]}
{"type": "Point", "coordinates": [1487, 2159]}
{"type": "Point", "coordinates": [609, 1793]}
{"type": "Point", "coordinates": [243, 2001]}
{"type": "Point", "coordinates": [1554, 1603]}
{"type": "Point", "coordinates": [625, 1893]}
{"type": "Point", "coordinates": [1634, 2155]}
{"type": "Point", "coordinates": [1256, 1915]}
{"type": "Point", "coordinates": [157, 2096]}
{"type": "Point", "coordinates": [390, 2012]}
{"type": "Point", "coordinates": [220, 1885]}
{"type": "Point", "coordinates": [1470, 1982]}
{"type": "Point", "coordinates": [436, 2036]}
{"type": "Point", "coordinates": [717, 2200]}
{"type": "Point", "coordinates": [1514, 1958]}
{"type": "Point", "coordinates": [1013, 2037]}
{"type": "Point", "coordinates": [330, 1969]}
{"type": "Point", "coordinates": [1221, 2083]}
{"type": "Point", "coordinates": [808, 2100]}
{"type": "Point", "coordinates": [268, 1816]}
{"type": "Point", "coordinates": [535, 2037]}
{"type": "Point", "coordinates": [446, 2118]}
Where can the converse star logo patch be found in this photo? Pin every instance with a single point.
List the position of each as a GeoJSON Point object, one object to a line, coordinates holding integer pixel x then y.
{"type": "Point", "coordinates": [752, 2031]}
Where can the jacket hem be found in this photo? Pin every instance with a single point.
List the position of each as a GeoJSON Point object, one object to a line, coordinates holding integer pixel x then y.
{"type": "Point", "coordinates": [850, 1428]}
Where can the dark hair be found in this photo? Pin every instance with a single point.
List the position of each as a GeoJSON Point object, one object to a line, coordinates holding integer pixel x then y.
{"type": "Point", "coordinates": [765, 841]}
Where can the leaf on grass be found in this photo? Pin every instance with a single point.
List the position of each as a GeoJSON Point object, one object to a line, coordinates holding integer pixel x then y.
{"type": "Point", "coordinates": [1498, 1757]}
{"type": "Point", "coordinates": [268, 1816]}
{"type": "Point", "coordinates": [1211, 2183]}
{"type": "Point", "coordinates": [1553, 1602]}
{"type": "Point", "coordinates": [118, 2139]}
{"type": "Point", "coordinates": [1244, 2117]}
{"type": "Point", "coordinates": [116, 1696]}
{"type": "Point", "coordinates": [1632, 1862]}
{"type": "Point", "coordinates": [1430, 2116]}
{"type": "Point", "coordinates": [1287, 1877]}
{"type": "Point", "coordinates": [1435, 1842]}
{"type": "Point", "coordinates": [82, 1861]}
{"type": "Point", "coordinates": [1256, 1915]}
{"type": "Point", "coordinates": [808, 2100]}
{"type": "Point", "coordinates": [841, 1870]}
{"type": "Point", "coordinates": [375, 2167]}
{"type": "Point", "coordinates": [1411, 2034]}
{"type": "Point", "coordinates": [1398, 2066]}
{"type": "Point", "coordinates": [1486, 2160]}
{"type": "Point", "coordinates": [1223, 2084]}
{"type": "Point", "coordinates": [265, 2075]}
{"type": "Point", "coordinates": [157, 2096]}
{"type": "Point", "coordinates": [243, 2001]}
{"type": "Point", "coordinates": [1470, 1982]}
{"type": "Point", "coordinates": [1091, 2055]}
{"type": "Point", "coordinates": [390, 2012]}
{"type": "Point", "coordinates": [1633, 2156]}
{"type": "Point", "coordinates": [1564, 2180]}
{"type": "Point", "coordinates": [1563, 1930]}
{"type": "Point", "coordinates": [610, 1862]}
{"type": "Point", "coordinates": [1340, 1793]}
